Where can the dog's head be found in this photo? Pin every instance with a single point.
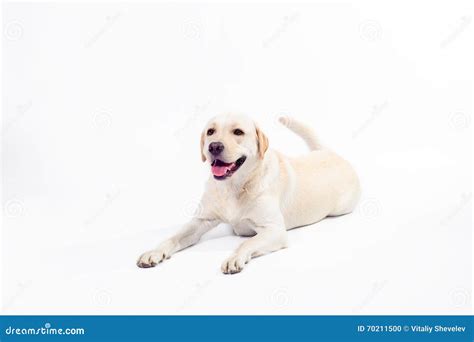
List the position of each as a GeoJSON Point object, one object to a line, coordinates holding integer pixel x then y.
{"type": "Point", "coordinates": [232, 143]}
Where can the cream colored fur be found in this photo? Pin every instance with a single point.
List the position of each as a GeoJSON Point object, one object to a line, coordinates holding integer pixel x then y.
{"type": "Point", "coordinates": [268, 195]}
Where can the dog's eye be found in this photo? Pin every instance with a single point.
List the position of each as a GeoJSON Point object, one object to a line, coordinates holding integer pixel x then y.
{"type": "Point", "coordinates": [238, 132]}
{"type": "Point", "coordinates": [210, 131]}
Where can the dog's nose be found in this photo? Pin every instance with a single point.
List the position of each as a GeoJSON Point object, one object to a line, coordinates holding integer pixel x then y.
{"type": "Point", "coordinates": [215, 148]}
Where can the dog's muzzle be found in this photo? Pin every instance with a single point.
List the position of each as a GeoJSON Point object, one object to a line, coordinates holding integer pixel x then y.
{"type": "Point", "coordinates": [222, 170]}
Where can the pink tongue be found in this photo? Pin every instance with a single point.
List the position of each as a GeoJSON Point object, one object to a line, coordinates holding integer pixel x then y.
{"type": "Point", "coordinates": [220, 171]}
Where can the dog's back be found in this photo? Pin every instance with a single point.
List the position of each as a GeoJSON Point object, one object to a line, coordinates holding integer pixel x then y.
{"type": "Point", "coordinates": [324, 183]}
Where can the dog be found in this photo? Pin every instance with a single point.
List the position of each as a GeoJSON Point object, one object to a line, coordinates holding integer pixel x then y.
{"type": "Point", "coordinates": [260, 192]}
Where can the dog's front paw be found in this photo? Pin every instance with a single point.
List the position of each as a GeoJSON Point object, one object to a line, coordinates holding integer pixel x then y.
{"type": "Point", "coordinates": [155, 256]}
{"type": "Point", "coordinates": [151, 258]}
{"type": "Point", "coordinates": [235, 264]}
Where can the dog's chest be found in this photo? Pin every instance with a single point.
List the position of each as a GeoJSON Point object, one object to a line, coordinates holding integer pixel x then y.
{"type": "Point", "coordinates": [229, 209]}
{"type": "Point", "coordinates": [234, 211]}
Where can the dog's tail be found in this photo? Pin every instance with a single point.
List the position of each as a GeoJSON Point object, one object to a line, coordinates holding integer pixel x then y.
{"type": "Point", "coordinates": [305, 132]}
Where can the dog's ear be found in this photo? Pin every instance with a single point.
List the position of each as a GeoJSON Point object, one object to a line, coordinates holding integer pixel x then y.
{"type": "Point", "coordinates": [262, 143]}
{"type": "Point", "coordinates": [203, 157]}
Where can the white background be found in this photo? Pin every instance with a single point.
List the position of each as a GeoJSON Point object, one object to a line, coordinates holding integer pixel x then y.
{"type": "Point", "coordinates": [102, 111]}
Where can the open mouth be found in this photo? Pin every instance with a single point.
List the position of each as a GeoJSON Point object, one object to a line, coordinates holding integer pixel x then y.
{"type": "Point", "coordinates": [221, 170]}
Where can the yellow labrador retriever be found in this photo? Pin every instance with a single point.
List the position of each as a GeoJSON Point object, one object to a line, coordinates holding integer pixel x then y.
{"type": "Point", "coordinates": [261, 192]}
